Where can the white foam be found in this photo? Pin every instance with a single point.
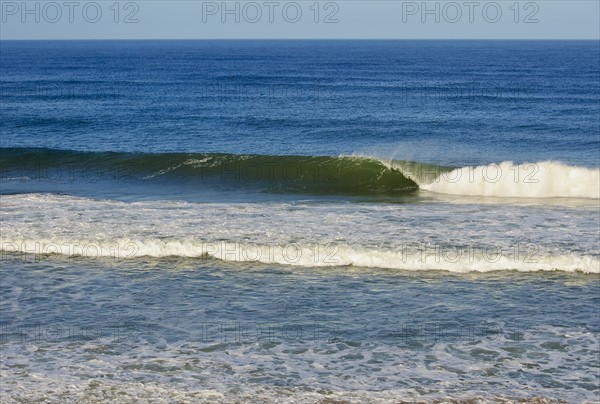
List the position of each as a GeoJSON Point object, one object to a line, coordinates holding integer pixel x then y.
{"type": "Point", "coordinates": [409, 257]}
{"type": "Point", "coordinates": [422, 236]}
{"type": "Point", "coordinates": [546, 179]}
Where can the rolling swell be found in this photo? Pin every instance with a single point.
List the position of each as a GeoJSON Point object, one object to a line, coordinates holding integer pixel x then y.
{"type": "Point", "coordinates": [313, 175]}
{"type": "Point", "coordinates": [264, 173]}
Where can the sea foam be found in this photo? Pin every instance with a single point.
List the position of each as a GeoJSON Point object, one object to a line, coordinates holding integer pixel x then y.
{"type": "Point", "coordinates": [546, 179]}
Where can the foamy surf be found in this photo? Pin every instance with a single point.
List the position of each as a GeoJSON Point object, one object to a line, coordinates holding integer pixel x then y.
{"type": "Point", "coordinates": [423, 236]}
{"type": "Point", "coordinates": [522, 258]}
{"type": "Point", "coordinates": [548, 179]}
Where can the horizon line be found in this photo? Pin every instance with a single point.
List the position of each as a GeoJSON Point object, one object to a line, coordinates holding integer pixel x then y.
{"type": "Point", "coordinates": [300, 39]}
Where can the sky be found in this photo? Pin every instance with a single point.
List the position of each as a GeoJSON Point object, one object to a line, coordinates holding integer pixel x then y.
{"type": "Point", "coordinates": [300, 19]}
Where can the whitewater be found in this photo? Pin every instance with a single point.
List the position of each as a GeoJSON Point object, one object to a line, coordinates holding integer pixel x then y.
{"type": "Point", "coordinates": [433, 235]}
{"type": "Point", "coordinates": [546, 179]}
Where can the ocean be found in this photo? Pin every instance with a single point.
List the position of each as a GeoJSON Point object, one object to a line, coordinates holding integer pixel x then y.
{"type": "Point", "coordinates": [300, 221]}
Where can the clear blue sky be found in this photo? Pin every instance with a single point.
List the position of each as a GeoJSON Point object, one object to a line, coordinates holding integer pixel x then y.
{"type": "Point", "coordinates": [154, 19]}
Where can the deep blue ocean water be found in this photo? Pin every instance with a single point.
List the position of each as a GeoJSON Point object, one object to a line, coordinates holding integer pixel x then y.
{"type": "Point", "coordinates": [370, 221]}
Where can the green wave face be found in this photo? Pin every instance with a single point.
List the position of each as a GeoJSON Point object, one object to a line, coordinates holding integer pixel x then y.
{"type": "Point", "coordinates": [276, 174]}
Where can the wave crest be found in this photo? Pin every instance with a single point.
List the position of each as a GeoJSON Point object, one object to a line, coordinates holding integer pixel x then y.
{"type": "Point", "coordinates": [408, 257]}
{"type": "Point", "coordinates": [548, 179]}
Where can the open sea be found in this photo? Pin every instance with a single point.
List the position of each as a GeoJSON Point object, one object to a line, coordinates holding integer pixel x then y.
{"type": "Point", "coordinates": [300, 221]}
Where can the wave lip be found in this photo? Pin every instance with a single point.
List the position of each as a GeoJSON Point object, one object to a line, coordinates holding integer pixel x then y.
{"type": "Point", "coordinates": [547, 179]}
